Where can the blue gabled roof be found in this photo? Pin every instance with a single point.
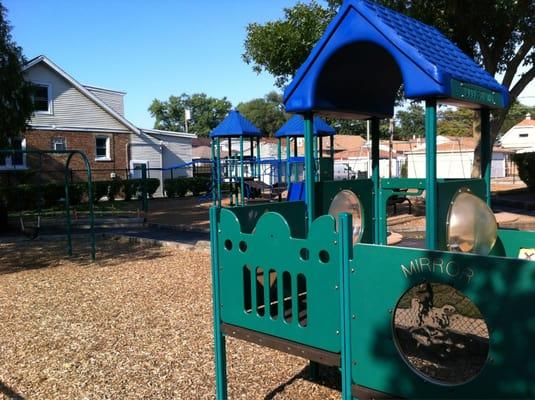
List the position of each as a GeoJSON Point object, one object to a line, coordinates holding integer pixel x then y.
{"type": "Point", "coordinates": [235, 125]}
{"type": "Point", "coordinates": [424, 58]}
{"type": "Point", "coordinates": [295, 126]}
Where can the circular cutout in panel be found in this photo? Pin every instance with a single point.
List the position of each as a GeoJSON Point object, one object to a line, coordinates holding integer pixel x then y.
{"type": "Point", "coordinates": [347, 201]}
{"type": "Point", "coordinates": [243, 246]}
{"type": "Point", "coordinates": [441, 334]}
{"type": "Point", "coordinates": [228, 244]}
{"type": "Point", "coordinates": [324, 256]}
{"type": "Point", "coordinates": [472, 226]}
{"type": "Point", "coordinates": [304, 254]}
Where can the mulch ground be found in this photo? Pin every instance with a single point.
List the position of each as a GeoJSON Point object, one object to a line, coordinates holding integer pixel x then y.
{"type": "Point", "coordinates": [135, 324]}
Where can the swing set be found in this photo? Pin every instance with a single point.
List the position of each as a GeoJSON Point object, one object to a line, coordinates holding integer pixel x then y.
{"type": "Point", "coordinates": [32, 231]}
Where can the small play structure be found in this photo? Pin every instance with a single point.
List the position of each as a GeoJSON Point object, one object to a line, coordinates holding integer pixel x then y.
{"type": "Point", "coordinates": [316, 279]}
{"type": "Point", "coordinates": [31, 228]}
{"type": "Point", "coordinates": [241, 174]}
{"type": "Point", "coordinates": [324, 166]}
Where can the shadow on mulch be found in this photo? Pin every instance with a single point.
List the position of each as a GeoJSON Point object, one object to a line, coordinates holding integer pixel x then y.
{"type": "Point", "coordinates": [9, 393]}
{"type": "Point", "coordinates": [36, 254]}
{"type": "Point", "coordinates": [327, 376]}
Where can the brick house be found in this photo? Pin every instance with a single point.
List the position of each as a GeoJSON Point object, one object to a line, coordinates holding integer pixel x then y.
{"type": "Point", "coordinates": [72, 116]}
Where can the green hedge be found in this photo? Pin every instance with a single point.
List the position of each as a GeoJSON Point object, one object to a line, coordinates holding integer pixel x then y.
{"type": "Point", "coordinates": [179, 187]}
{"type": "Point", "coordinates": [526, 168]}
{"type": "Point", "coordinates": [27, 196]}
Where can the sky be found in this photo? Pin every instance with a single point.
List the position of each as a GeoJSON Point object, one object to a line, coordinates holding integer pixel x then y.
{"type": "Point", "coordinates": [149, 49]}
{"type": "Point", "coordinates": [152, 49]}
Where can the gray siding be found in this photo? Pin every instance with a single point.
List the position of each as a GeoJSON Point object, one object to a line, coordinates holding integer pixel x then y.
{"type": "Point", "coordinates": [113, 100]}
{"type": "Point", "coordinates": [71, 108]}
{"type": "Point", "coordinates": [175, 150]}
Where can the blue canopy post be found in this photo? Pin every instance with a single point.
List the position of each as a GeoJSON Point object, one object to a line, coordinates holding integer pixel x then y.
{"type": "Point", "coordinates": [235, 125]}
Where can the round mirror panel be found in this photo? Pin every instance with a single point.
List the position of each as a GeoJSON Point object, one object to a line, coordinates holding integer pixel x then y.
{"type": "Point", "coordinates": [348, 202]}
{"type": "Point", "coordinates": [472, 225]}
{"type": "Point", "coordinates": [440, 334]}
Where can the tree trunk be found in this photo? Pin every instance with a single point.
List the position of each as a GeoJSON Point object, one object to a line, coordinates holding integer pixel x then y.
{"type": "Point", "coordinates": [497, 120]}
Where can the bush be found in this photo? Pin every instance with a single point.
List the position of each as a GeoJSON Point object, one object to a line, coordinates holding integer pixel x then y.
{"type": "Point", "coordinates": [198, 185]}
{"type": "Point", "coordinates": [110, 189]}
{"type": "Point", "coordinates": [525, 163]}
{"type": "Point", "coordinates": [152, 185]}
{"type": "Point", "coordinates": [133, 187]}
{"type": "Point", "coordinates": [176, 187]}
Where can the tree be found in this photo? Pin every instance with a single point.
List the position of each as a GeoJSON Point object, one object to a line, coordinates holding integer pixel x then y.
{"type": "Point", "coordinates": [410, 122]}
{"type": "Point", "coordinates": [517, 112]}
{"type": "Point", "coordinates": [16, 104]}
{"type": "Point", "coordinates": [266, 113]}
{"type": "Point", "coordinates": [499, 34]}
{"type": "Point", "coordinates": [206, 113]}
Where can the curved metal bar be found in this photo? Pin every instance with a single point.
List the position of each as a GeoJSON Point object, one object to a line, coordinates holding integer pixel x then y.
{"type": "Point", "coordinates": [90, 201]}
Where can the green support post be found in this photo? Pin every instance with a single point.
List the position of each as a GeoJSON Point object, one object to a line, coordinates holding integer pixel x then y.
{"type": "Point", "coordinates": [316, 164]}
{"type": "Point", "coordinates": [279, 164]}
{"type": "Point", "coordinates": [288, 167]}
{"type": "Point", "coordinates": [242, 186]}
{"type": "Point", "coordinates": [309, 167]}
{"type": "Point", "coordinates": [212, 168]}
{"type": "Point", "coordinates": [144, 191]}
{"type": "Point", "coordinates": [218, 171]}
{"type": "Point", "coordinates": [219, 339]}
{"type": "Point", "coordinates": [68, 213]}
{"type": "Point", "coordinates": [431, 174]}
{"type": "Point", "coordinates": [296, 166]}
{"type": "Point", "coordinates": [230, 171]}
{"type": "Point", "coordinates": [486, 152]}
{"type": "Point", "coordinates": [378, 211]}
{"type": "Point", "coordinates": [345, 247]}
{"type": "Point", "coordinates": [331, 142]}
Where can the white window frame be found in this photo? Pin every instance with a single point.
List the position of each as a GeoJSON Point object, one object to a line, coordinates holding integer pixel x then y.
{"type": "Point", "coordinates": [50, 110]}
{"type": "Point", "coordinates": [107, 157]}
{"type": "Point", "coordinates": [8, 166]}
{"type": "Point", "coordinates": [59, 140]}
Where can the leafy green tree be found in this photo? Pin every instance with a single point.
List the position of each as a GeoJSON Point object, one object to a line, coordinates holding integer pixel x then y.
{"type": "Point", "coordinates": [280, 47]}
{"type": "Point", "coordinates": [453, 122]}
{"type": "Point", "coordinates": [266, 113]}
{"type": "Point", "coordinates": [206, 113]}
{"type": "Point", "coordinates": [16, 104]}
{"type": "Point", "coordinates": [517, 112]}
{"type": "Point", "coordinates": [499, 34]}
{"type": "Point", "coordinates": [410, 121]}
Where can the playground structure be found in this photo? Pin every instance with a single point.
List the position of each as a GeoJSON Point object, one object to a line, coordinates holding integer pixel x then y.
{"type": "Point", "coordinates": [315, 278]}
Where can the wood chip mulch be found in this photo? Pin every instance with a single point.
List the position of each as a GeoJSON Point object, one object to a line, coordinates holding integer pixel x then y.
{"type": "Point", "coordinates": [135, 324]}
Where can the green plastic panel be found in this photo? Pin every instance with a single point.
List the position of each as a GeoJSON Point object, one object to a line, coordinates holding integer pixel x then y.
{"type": "Point", "coordinates": [363, 188]}
{"type": "Point", "coordinates": [510, 242]}
{"type": "Point", "coordinates": [446, 190]}
{"type": "Point", "coordinates": [503, 290]}
{"type": "Point", "coordinates": [326, 169]}
{"type": "Point", "coordinates": [294, 212]}
{"type": "Point", "coordinates": [270, 246]}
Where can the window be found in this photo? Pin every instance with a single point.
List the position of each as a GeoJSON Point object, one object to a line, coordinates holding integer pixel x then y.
{"type": "Point", "coordinates": [102, 144]}
{"type": "Point", "coordinates": [523, 134]}
{"type": "Point", "coordinates": [41, 99]}
{"type": "Point", "coordinates": [17, 159]}
{"type": "Point", "coordinates": [14, 160]}
{"type": "Point", "coordinates": [59, 144]}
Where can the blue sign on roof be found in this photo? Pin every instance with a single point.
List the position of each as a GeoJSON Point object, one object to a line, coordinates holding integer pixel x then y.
{"type": "Point", "coordinates": [295, 126]}
{"type": "Point", "coordinates": [368, 51]}
{"type": "Point", "coordinates": [235, 125]}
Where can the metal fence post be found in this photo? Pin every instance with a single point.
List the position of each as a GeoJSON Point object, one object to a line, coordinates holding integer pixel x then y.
{"type": "Point", "coordinates": [144, 196]}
